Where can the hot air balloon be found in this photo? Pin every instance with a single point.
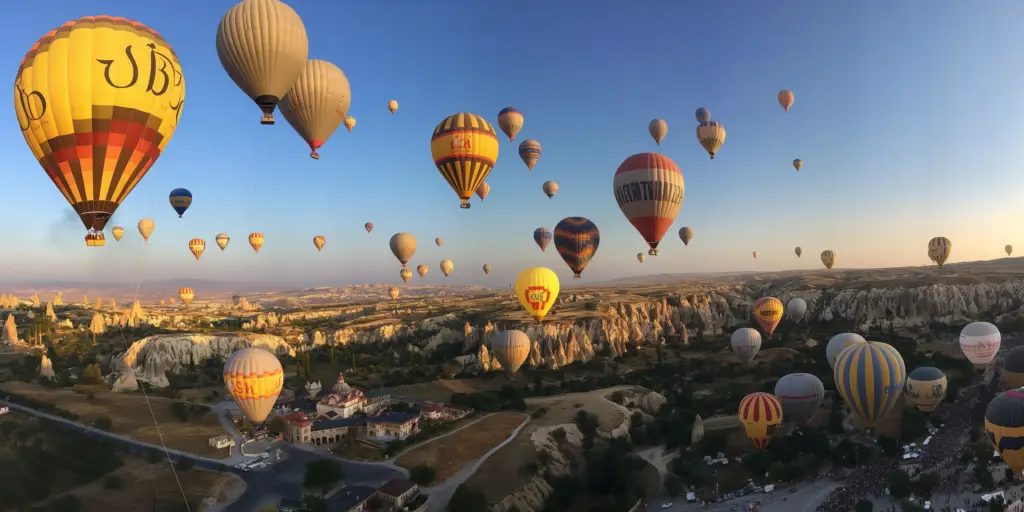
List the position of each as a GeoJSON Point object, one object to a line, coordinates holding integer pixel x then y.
{"type": "Point", "coordinates": [405, 274]}
{"type": "Point", "coordinates": [393, 106]}
{"type": "Point", "coordinates": [529, 152]}
{"type": "Point", "coordinates": [685, 234]}
{"type": "Point", "coordinates": [487, 268]}
{"type": "Point", "coordinates": [1004, 424]}
{"type": "Point", "coordinates": [403, 246]}
{"type": "Point", "coordinates": [317, 103]}
{"type": "Point", "coordinates": [658, 129]}
{"type": "Point", "coordinates": [711, 135]}
{"type": "Point", "coordinates": [703, 115]}
{"type": "Point", "coordinates": [828, 258]}
{"type": "Point", "coordinates": [510, 121]}
{"type": "Point", "coordinates": [222, 240]}
{"type": "Point", "coordinates": [542, 237]}
{"type": "Point", "coordinates": [464, 147]}
{"type": "Point", "coordinates": [761, 414]}
{"type": "Point", "coordinates": [368, 226]}
{"type": "Point", "coordinates": [393, 293]}
{"type": "Point", "coordinates": [641, 257]}
{"type": "Point", "coordinates": [537, 288]}
{"type": "Point", "coordinates": [318, 242]}
{"type": "Point", "coordinates": [483, 190]}
{"type": "Point", "coordinates": [118, 94]}
{"type": "Point", "coordinates": [649, 190]}
{"type": "Point", "coordinates": [980, 342]}
{"type": "Point", "coordinates": [118, 232]}
{"type": "Point", "coordinates": [511, 348]}
{"type": "Point", "coordinates": [801, 395]}
{"type": "Point", "coordinates": [786, 99]}
{"type": "Point", "coordinates": [446, 267]}
{"type": "Point", "coordinates": [939, 249]}
{"type": "Point", "coordinates": [422, 270]}
{"type": "Point", "coordinates": [755, 254]}
{"type": "Point", "coordinates": [437, 241]}
{"type": "Point", "coordinates": [256, 241]}
{"type": "Point", "coordinates": [146, 227]}
{"type": "Point", "coordinates": [263, 47]}
{"type": "Point", "coordinates": [796, 308]}
{"type": "Point", "coordinates": [746, 343]}
{"type": "Point", "coordinates": [799, 252]}
{"type": "Point", "coordinates": [180, 199]}
{"type": "Point", "coordinates": [838, 343]}
{"type": "Point", "coordinates": [576, 240]}
{"type": "Point", "coordinates": [186, 295]}
{"type": "Point", "coordinates": [197, 246]}
{"type": "Point", "coordinates": [768, 312]}
{"type": "Point", "coordinates": [350, 123]}
{"type": "Point", "coordinates": [870, 377]}
{"type": "Point", "coordinates": [1008, 249]}
{"type": "Point", "coordinates": [797, 164]}
{"type": "Point", "coordinates": [253, 377]}
{"type": "Point", "coordinates": [550, 188]}
{"type": "Point", "coordinates": [926, 387]}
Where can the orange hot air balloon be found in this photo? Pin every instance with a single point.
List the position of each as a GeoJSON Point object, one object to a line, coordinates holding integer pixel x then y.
{"type": "Point", "coordinates": [761, 415]}
{"type": "Point", "coordinates": [786, 98]}
{"type": "Point", "coordinates": [197, 246]}
{"type": "Point", "coordinates": [186, 294]}
{"type": "Point", "coordinates": [256, 241]}
{"type": "Point", "coordinates": [768, 313]}
{"type": "Point", "coordinates": [422, 270]}
{"type": "Point", "coordinates": [254, 377]}
{"type": "Point", "coordinates": [368, 226]}
{"type": "Point", "coordinates": [319, 242]}
{"type": "Point", "coordinates": [118, 232]}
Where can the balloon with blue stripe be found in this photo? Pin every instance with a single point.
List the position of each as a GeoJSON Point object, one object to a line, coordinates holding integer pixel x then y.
{"type": "Point", "coordinates": [870, 376]}
{"type": "Point", "coordinates": [180, 200]}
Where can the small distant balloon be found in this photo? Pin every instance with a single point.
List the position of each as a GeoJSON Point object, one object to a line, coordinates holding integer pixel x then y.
{"type": "Point", "coordinates": [438, 241]}
{"type": "Point", "coordinates": [828, 258]}
{"type": "Point", "coordinates": [180, 200]}
{"type": "Point", "coordinates": [405, 274]}
{"type": "Point", "coordinates": [368, 226]}
{"type": "Point", "coordinates": [1008, 248]}
{"type": "Point", "coordinates": [393, 292]}
{"type": "Point", "coordinates": [197, 246]}
{"type": "Point", "coordinates": [118, 232]}
{"type": "Point", "coordinates": [658, 129]}
{"type": "Point", "coordinates": [641, 257]}
{"type": "Point", "coordinates": [487, 268]}
{"type": "Point", "coordinates": [403, 246]}
{"type": "Point", "coordinates": [799, 252]}
{"type": "Point", "coordinates": [529, 152]}
{"type": "Point", "coordinates": [786, 98]}
{"type": "Point", "coordinates": [550, 188]}
{"type": "Point", "coordinates": [222, 240]}
{"type": "Point", "coordinates": [797, 164]}
{"type": "Point", "coordinates": [703, 115]}
{"type": "Point", "coordinates": [686, 234]}
{"type": "Point", "coordinates": [422, 270]}
{"type": "Point", "coordinates": [483, 190]}
{"type": "Point", "coordinates": [393, 106]}
{"type": "Point", "coordinates": [446, 267]}
{"type": "Point", "coordinates": [256, 241]}
{"type": "Point", "coordinates": [318, 242]}
{"type": "Point", "coordinates": [350, 123]}
{"type": "Point", "coordinates": [510, 121]}
{"type": "Point", "coordinates": [711, 135]}
{"type": "Point", "coordinates": [542, 237]}
{"type": "Point", "coordinates": [146, 227]}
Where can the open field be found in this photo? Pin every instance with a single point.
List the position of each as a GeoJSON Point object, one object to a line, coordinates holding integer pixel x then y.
{"type": "Point", "coordinates": [451, 453]}
{"type": "Point", "coordinates": [722, 423]}
{"type": "Point", "coordinates": [131, 416]}
{"type": "Point", "coordinates": [441, 390]}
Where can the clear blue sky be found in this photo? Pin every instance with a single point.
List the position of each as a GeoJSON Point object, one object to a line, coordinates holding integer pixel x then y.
{"type": "Point", "coordinates": [907, 118]}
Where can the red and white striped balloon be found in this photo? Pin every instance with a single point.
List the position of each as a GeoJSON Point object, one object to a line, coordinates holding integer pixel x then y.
{"type": "Point", "coordinates": [649, 189]}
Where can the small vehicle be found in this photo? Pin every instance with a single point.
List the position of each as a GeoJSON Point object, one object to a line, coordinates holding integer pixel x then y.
{"type": "Point", "coordinates": [667, 504]}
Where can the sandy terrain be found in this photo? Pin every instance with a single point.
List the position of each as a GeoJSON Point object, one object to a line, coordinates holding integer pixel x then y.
{"type": "Point", "coordinates": [449, 454]}
{"type": "Point", "coordinates": [131, 416]}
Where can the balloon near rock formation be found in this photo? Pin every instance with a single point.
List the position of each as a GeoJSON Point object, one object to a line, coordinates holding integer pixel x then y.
{"type": "Point", "coordinates": [511, 348]}
{"type": "Point", "coordinates": [253, 377]}
{"type": "Point", "coordinates": [537, 288]}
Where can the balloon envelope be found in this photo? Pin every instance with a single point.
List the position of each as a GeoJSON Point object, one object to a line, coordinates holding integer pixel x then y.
{"type": "Point", "coordinates": [768, 313]}
{"type": "Point", "coordinates": [980, 342]}
{"type": "Point", "coordinates": [510, 121]}
{"type": "Point", "coordinates": [222, 240]}
{"type": "Point", "coordinates": [253, 377]}
{"type": "Point", "coordinates": [542, 237]}
{"type": "Point", "coordinates": [529, 152]}
{"type": "Point", "coordinates": [761, 415]}
{"type": "Point", "coordinates": [180, 199]}
{"type": "Point", "coordinates": [838, 343]}
{"type": "Point", "coordinates": [1004, 424]}
{"type": "Point", "coordinates": [577, 240]}
{"type": "Point", "coordinates": [746, 343]}
{"type": "Point", "coordinates": [658, 129]}
{"type": "Point", "coordinates": [317, 103]}
{"type": "Point", "coordinates": [537, 288]}
{"type": "Point", "coordinates": [146, 228]}
{"type": "Point", "coordinates": [939, 249]}
{"type": "Point", "coordinates": [186, 295]}
{"type": "Point", "coordinates": [870, 377]}
{"type": "Point", "coordinates": [926, 387]}
{"type": "Point", "coordinates": [464, 147]}
{"type": "Point", "coordinates": [403, 246]}
{"type": "Point", "coordinates": [828, 258]}
{"type": "Point", "coordinates": [796, 308]}
{"type": "Point", "coordinates": [1013, 368]}
{"type": "Point", "coordinates": [511, 348]}
{"type": "Point", "coordinates": [801, 395]}
{"type": "Point", "coordinates": [703, 115]}
{"type": "Point", "coordinates": [685, 234]}
{"type": "Point", "coordinates": [649, 190]}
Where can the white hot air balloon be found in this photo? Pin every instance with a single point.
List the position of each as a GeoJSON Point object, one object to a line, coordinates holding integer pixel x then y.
{"type": "Point", "coordinates": [746, 342]}
{"type": "Point", "coordinates": [838, 343]}
{"type": "Point", "coordinates": [796, 308]}
{"type": "Point", "coordinates": [980, 342]}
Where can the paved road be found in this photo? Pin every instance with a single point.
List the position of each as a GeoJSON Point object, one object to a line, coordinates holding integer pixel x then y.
{"type": "Point", "coordinates": [806, 499]}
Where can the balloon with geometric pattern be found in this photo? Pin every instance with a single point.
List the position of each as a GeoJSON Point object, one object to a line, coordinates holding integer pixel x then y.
{"type": "Point", "coordinates": [464, 147]}
{"type": "Point", "coordinates": [760, 414]}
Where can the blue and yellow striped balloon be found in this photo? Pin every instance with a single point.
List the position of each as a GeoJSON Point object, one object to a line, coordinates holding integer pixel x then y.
{"type": "Point", "coordinates": [870, 377]}
{"type": "Point", "coordinates": [180, 200]}
{"type": "Point", "coordinates": [576, 239]}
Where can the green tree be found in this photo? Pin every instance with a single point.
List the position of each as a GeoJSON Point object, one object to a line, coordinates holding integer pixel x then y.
{"type": "Point", "coordinates": [277, 424]}
{"type": "Point", "coordinates": [900, 485]}
{"type": "Point", "coordinates": [864, 506]}
{"type": "Point", "coordinates": [92, 375]}
{"type": "Point", "coordinates": [467, 499]}
{"type": "Point", "coordinates": [422, 474]}
{"type": "Point", "coordinates": [103, 423]}
{"type": "Point", "coordinates": [322, 474]}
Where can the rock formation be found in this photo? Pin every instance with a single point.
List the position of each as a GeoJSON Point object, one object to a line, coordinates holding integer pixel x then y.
{"type": "Point", "coordinates": [113, 306]}
{"type": "Point", "coordinates": [135, 317]}
{"type": "Point", "coordinates": [98, 324]}
{"type": "Point", "coordinates": [45, 368]}
{"type": "Point", "coordinates": [85, 301]}
{"type": "Point", "coordinates": [99, 303]}
{"type": "Point", "coordinates": [58, 300]}
{"type": "Point", "coordinates": [35, 301]}
{"type": "Point", "coordinates": [49, 312]}
{"type": "Point", "coordinates": [9, 334]}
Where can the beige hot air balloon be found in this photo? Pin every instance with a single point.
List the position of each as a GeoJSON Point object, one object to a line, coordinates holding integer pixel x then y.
{"type": "Point", "coordinates": [483, 190]}
{"type": "Point", "coordinates": [686, 234]}
{"type": "Point", "coordinates": [711, 135]}
{"type": "Point", "coordinates": [118, 232]}
{"type": "Point", "coordinates": [253, 377]}
{"type": "Point", "coordinates": [939, 249]}
{"type": "Point", "coordinates": [487, 268]}
{"type": "Point", "coordinates": [197, 246]}
{"type": "Point", "coordinates": [437, 241]}
{"type": "Point", "coordinates": [256, 241]}
{"type": "Point", "coordinates": [1008, 249]}
{"type": "Point", "coordinates": [317, 103]}
{"type": "Point", "coordinates": [422, 270]}
{"type": "Point", "coordinates": [799, 252]}
{"type": "Point", "coordinates": [550, 188]}
{"type": "Point", "coordinates": [658, 129]}
{"type": "Point", "coordinates": [446, 267]}
{"type": "Point", "coordinates": [755, 255]}
{"type": "Point", "coordinates": [828, 258]}
{"type": "Point", "coordinates": [393, 106]}
{"type": "Point", "coordinates": [318, 242]}
{"type": "Point", "coordinates": [263, 47]}
{"type": "Point", "coordinates": [222, 240]}
{"type": "Point", "coordinates": [511, 348]}
{"type": "Point", "coordinates": [146, 228]}
{"type": "Point", "coordinates": [405, 274]}
{"type": "Point", "coordinates": [403, 246]}
{"type": "Point", "coordinates": [641, 257]}
{"type": "Point", "coordinates": [350, 122]}
{"type": "Point", "coordinates": [393, 292]}
{"type": "Point", "coordinates": [186, 294]}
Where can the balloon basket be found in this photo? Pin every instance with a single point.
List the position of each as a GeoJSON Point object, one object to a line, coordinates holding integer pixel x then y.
{"type": "Point", "coordinates": [464, 206]}
{"type": "Point", "coordinates": [267, 119]}
{"type": "Point", "coordinates": [576, 277]}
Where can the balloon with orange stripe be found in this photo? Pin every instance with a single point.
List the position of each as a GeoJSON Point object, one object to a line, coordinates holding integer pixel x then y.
{"type": "Point", "coordinates": [253, 376]}
{"type": "Point", "coordinates": [761, 414]}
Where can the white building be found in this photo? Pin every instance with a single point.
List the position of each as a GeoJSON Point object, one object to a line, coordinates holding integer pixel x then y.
{"type": "Point", "coordinates": [343, 400]}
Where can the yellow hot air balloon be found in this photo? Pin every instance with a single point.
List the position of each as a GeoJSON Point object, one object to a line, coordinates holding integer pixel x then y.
{"type": "Point", "coordinates": [464, 147]}
{"type": "Point", "coordinates": [146, 228]}
{"type": "Point", "coordinates": [393, 293]}
{"type": "Point", "coordinates": [768, 313]}
{"type": "Point", "coordinates": [1008, 248]}
{"type": "Point", "coordinates": [939, 249]}
{"type": "Point", "coordinates": [393, 106]}
{"type": "Point", "coordinates": [422, 270]}
{"type": "Point", "coordinates": [438, 241]}
{"type": "Point", "coordinates": [828, 258]}
{"type": "Point", "coordinates": [197, 246]}
{"type": "Point", "coordinates": [222, 240]}
{"type": "Point", "coordinates": [446, 267]}
{"type": "Point", "coordinates": [405, 274]}
{"type": "Point", "coordinates": [487, 268]}
{"type": "Point", "coordinates": [711, 135]}
{"type": "Point", "coordinates": [537, 288]}
{"type": "Point", "coordinates": [263, 47]}
{"type": "Point", "coordinates": [256, 241]}
{"type": "Point", "coordinates": [403, 246]}
{"type": "Point", "coordinates": [186, 295]}
{"type": "Point", "coordinates": [658, 129]}
{"type": "Point", "coordinates": [483, 190]}
{"type": "Point", "coordinates": [318, 242]}
{"type": "Point", "coordinates": [350, 122]}
{"type": "Point", "coordinates": [761, 414]}
{"type": "Point", "coordinates": [98, 113]}
{"type": "Point", "coordinates": [317, 103]}
{"type": "Point", "coordinates": [118, 232]}
{"type": "Point", "coordinates": [253, 377]}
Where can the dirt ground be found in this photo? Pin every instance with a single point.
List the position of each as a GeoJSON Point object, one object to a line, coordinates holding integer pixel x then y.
{"type": "Point", "coordinates": [722, 423]}
{"type": "Point", "coordinates": [131, 417]}
{"type": "Point", "coordinates": [449, 454]}
{"type": "Point", "coordinates": [441, 390]}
